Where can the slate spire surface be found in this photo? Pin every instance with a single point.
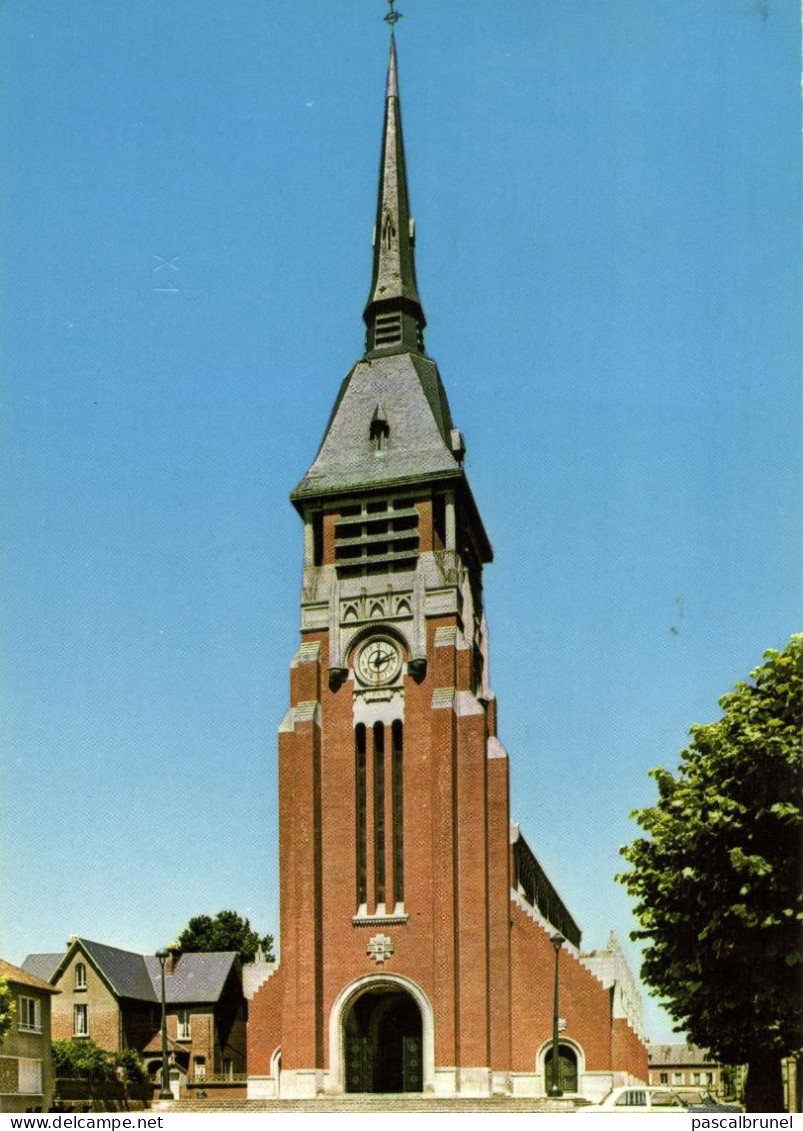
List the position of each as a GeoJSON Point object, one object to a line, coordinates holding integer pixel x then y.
{"type": "Point", "coordinates": [393, 314]}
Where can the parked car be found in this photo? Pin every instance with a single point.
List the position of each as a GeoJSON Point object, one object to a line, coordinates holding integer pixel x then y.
{"type": "Point", "coordinates": [638, 1098]}
{"type": "Point", "coordinates": [700, 1099]}
{"type": "Point", "coordinates": [635, 1098]}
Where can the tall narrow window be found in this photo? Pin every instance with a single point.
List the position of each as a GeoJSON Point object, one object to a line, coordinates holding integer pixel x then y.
{"type": "Point", "coordinates": [80, 1021]}
{"type": "Point", "coordinates": [397, 731]}
{"type": "Point", "coordinates": [360, 806]}
{"type": "Point", "coordinates": [29, 1015]}
{"type": "Point", "coordinates": [317, 538]}
{"type": "Point", "coordinates": [184, 1032]}
{"type": "Point", "coordinates": [379, 812]}
{"type": "Point", "coordinates": [80, 976]}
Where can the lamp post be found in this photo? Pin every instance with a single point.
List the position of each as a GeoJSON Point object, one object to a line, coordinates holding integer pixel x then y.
{"type": "Point", "coordinates": [165, 1093]}
{"type": "Point", "coordinates": [555, 1088]}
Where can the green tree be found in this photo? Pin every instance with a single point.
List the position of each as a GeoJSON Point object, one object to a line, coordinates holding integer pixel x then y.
{"type": "Point", "coordinates": [82, 1059]}
{"type": "Point", "coordinates": [717, 880]}
{"type": "Point", "coordinates": [226, 931]}
{"type": "Point", "coordinates": [7, 1008]}
{"type": "Point", "coordinates": [132, 1065]}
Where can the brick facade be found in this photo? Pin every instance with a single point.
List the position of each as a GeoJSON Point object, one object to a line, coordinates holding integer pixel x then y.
{"type": "Point", "coordinates": [408, 960]}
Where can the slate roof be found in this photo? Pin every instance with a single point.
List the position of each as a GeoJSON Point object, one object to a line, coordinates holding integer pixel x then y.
{"type": "Point", "coordinates": [409, 389]}
{"type": "Point", "coordinates": [125, 971]}
{"type": "Point", "coordinates": [42, 965]}
{"type": "Point", "coordinates": [196, 977]}
{"type": "Point", "coordinates": [22, 977]}
{"type": "Point", "coordinates": [394, 263]}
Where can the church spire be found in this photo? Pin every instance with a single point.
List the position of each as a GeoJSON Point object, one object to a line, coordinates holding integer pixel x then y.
{"type": "Point", "coordinates": [393, 313]}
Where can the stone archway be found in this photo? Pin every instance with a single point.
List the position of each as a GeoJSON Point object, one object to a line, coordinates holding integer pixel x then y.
{"type": "Point", "coordinates": [571, 1065]}
{"type": "Point", "coordinates": [381, 1037]}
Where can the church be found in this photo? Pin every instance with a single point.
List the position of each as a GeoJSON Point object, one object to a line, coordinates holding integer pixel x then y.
{"type": "Point", "coordinates": [421, 941]}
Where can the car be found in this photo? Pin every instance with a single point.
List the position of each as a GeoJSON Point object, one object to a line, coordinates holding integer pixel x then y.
{"type": "Point", "coordinates": [638, 1098]}
{"type": "Point", "coordinates": [700, 1099]}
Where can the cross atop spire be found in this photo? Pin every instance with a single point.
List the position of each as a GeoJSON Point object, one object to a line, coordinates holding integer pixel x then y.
{"type": "Point", "coordinates": [393, 314]}
{"type": "Point", "coordinates": [393, 16]}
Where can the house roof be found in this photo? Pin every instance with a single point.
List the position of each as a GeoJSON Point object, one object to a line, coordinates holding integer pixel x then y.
{"type": "Point", "coordinates": [678, 1054]}
{"type": "Point", "coordinates": [196, 977]}
{"type": "Point", "coordinates": [42, 965]}
{"type": "Point", "coordinates": [23, 977]}
{"type": "Point", "coordinates": [125, 972]}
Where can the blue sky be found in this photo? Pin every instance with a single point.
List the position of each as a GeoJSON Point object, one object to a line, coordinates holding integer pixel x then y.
{"type": "Point", "coordinates": [607, 199]}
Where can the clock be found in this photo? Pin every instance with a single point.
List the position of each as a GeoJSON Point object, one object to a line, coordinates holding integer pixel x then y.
{"type": "Point", "coordinates": [378, 661]}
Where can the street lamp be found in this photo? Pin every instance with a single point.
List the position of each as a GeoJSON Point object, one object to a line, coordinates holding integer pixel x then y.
{"type": "Point", "coordinates": [165, 1093]}
{"type": "Point", "coordinates": [555, 1088]}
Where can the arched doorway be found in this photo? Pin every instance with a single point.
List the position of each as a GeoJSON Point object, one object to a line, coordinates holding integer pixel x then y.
{"type": "Point", "coordinates": [383, 1042]}
{"type": "Point", "coordinates": [567, 1069]}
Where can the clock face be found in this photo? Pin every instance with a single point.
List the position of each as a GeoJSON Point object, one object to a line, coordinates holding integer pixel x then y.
{"type": "Point", "coordinates": [378, 661]}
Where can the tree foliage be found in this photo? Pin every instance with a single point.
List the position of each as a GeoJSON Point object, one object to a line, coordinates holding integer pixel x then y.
{"type": "Point", "coordinates": [7, 1007]}
{"type": "Point", "coordinates": [226, 931]}
{"type": "Point", "coordinates": [81, 1058]}
{"type": "Point", "coordinates": [717, 879]}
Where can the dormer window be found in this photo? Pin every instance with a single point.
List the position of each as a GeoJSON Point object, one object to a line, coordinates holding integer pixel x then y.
{"type": "Point", "coordinates": [80, 976]}
{"type": "Point", "coordinates": [380, 429]}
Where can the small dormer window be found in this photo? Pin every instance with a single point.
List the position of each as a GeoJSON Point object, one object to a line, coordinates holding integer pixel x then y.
{"type": "Point", "coordinates": [80, 976]}
{"type": "Point", "coordinates": [388, 231]}
{"type": "Point", "coordinates": [379, 429]}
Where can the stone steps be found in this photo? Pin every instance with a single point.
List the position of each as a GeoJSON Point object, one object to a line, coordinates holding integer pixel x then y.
{"type": "Point", "coordinates": [373, 1103]}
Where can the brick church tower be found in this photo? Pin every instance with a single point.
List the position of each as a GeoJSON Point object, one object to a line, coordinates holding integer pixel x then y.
{"type": "Point", "coordinates": [399, 957]}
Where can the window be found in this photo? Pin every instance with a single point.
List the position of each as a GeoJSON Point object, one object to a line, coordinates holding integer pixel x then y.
{"type": "Point", "coordinates": [664, 1100]}
{"type": "Point", "coordinates": [379, 813]}
{"type": "Point", "coordinates": [695, 1077]}
{"type": "Point", "coordinates": [30, 1076]}
{"type": "Point", "coordinates": [228, 1067]}
{"type": "Point", "coordinates": [200, 1068]}
{"type": "Point", "coordinates": [677, 1077]}
{"type": "Point", "coordinates": [30, 1015]}
{"type": "Point", "coordinates": [379, 823]}
{"type": "Point", "coordinates": [183, 1025]}
{"type": "Point", "coordinates": [397, 732]}
{"type": "Point", "coordinates": [361, 806]}
{"type": "Point", "coordinates": [632, 1099]}
{"type": "Point", "coordinates": [663, 1077]}
{"type": "Point", "coordinates": [381, 536]}
{"type": "Point", "coordinates": [80, 1021]}
{"type": "Point", "coordinates": [80, 976]}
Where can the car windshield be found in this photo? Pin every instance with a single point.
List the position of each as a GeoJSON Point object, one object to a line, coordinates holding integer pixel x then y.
{"type": "Point", "coordinates": [665, 1099]}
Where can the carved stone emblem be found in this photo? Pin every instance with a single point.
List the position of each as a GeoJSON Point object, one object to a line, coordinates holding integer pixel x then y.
{"type": "Point", "coordinates": [379, 948]}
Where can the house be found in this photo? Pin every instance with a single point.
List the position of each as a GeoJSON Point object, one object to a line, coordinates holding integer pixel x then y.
{"type": "Point", "coordinates": [113, 996]}
{"type": "Point", "coordinates": [686, 1066]}
{"type": "Point", "coordinates": [26, 1065]}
